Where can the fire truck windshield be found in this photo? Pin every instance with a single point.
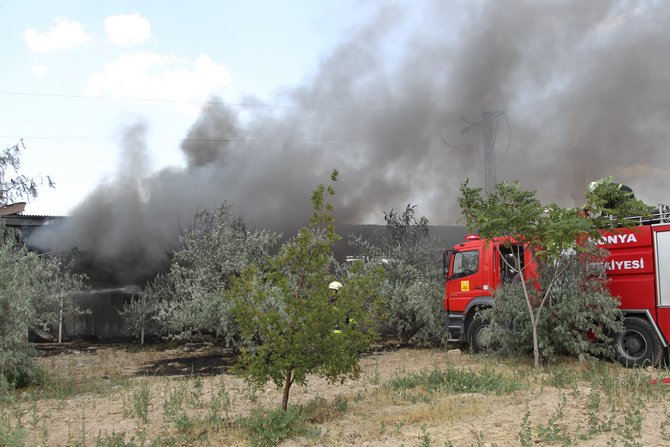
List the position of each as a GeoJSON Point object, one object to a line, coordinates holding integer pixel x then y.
{"type": "Point", "coordinates": [466, 263]}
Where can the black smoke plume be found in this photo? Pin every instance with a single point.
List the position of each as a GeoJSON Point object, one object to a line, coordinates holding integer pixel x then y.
{"type": "Point", "coordinates": [584, 88]}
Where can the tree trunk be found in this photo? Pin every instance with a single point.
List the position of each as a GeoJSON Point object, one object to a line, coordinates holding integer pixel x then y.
{"type": "Point", "coordinates": [533, 324]}
{"type": "Point", "coordinates": [536, 348]}
{"type": "Point", "coordinates": [288, 381]}
{"type": "Point", "coordinates": [60, 322]}
{"type": "Point", "coordinates": [144, 316]}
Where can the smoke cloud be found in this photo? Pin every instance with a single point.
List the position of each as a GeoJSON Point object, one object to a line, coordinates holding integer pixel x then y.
{"type": "Point", "coordinates": [583, 86]}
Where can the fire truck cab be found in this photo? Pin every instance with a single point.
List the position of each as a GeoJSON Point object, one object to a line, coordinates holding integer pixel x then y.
{"type": "Point", "coordinates": [638, 267]}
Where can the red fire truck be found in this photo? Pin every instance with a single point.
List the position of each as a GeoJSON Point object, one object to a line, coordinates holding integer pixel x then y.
{"type": "Point", "coordinates": [638, 267]}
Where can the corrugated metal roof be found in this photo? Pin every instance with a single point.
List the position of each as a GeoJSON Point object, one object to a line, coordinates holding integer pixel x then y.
{"type": "Point", "coordinates": [30, 219]}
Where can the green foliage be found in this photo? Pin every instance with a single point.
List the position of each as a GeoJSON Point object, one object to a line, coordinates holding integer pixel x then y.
{"type": "Point", "coordinates": [579, 317]}
{"type": "Point", "coordinates": [610, 203]}
{"type": "Point", "coordinates": [57, 275]}
{"type": "Point", "coordinates": [173, 405]}
{"type": "Point", "coordinates": [411, 261]}
{"type": "Point", "coordinates": [269, 428]}
{"type": "Point", "coordinates": [220, 400]}
{"type": "Point", "coordinates": [11, 436]}
{"type": "Point", "coordinates": [581, 313]}
{"type": "Point", "coordinates": [18, 293]}
{"type": "Point", "coordinates": [507, 212]}
{"type": "Point", "coordinates": [140, 402]}
{"type": "Point", "coordinates": [287, 315]}
{"type": "Point", "coordinates": [547, 230]}
{"type": "Point", "coordinates": [185, 303]}
{"type": "Point", "coordinates": [18, 186]}
{"type": "Point", "coordinates": [552, 313]}
{"type": "Point", "coordinates": [454, 381]}
{"type": "Point", "coordinates": [118, 439]}
{"type": "Point", "coordinates": [139, 312]}
{"type": "Point", "coordinates": [425, 437]}
{"type": "Point", "coordinates": [554, 431]}
{"type": "Point", "coordinates": [525, 433]}
{"type": "Point", "coordinates": [32, 288]}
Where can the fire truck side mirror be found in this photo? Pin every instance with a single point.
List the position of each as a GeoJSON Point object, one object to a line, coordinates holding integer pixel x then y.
{"type": "Point", "coordinates": [446, 260]}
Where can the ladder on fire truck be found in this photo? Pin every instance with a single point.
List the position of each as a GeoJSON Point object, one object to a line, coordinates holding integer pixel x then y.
{"type": "Point", "coordinates": [661, 215]}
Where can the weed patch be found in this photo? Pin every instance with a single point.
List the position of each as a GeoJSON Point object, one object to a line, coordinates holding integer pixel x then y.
{"type": "Point", "coordinates": [269, 427]}
{"type": "Point", "coordinates": [455, 381]}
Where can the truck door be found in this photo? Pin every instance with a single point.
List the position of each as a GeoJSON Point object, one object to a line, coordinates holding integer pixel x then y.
{"type": "Point", "coordinates": [466, 279]}
{"type": "Point", "coordinates": [511, 263]}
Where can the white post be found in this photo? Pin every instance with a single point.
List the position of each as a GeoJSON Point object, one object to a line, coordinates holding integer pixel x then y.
{"type": "Point", "coordinates": [60, 321]}
{"type": "Point", "coordinates": [143, 317]}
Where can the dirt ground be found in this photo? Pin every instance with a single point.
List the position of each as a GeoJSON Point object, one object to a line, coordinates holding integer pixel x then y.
{"type": "Point", "coordinates": [99, 389]}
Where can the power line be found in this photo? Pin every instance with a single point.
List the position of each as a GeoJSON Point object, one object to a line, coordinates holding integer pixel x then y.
{"type": "Point", "coordinates": [213, 101]}
{"type": "Point", "coordinates": [188, 140]}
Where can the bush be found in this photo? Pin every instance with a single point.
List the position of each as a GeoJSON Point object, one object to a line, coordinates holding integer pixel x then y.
{"type": "Point", "coordinates": [413, 286]}
{"type": "Point", "coordinates": [31, 286]}
{"type": "Point", "coordinates": [269, 428]}
{"type": "Point", "coordinates": [185, 303]}
{"type": "Point", "coordinates": [579, 318]}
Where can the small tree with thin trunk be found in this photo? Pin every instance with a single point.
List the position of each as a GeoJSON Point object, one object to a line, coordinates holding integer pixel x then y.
{"type": "Point", "coordinates": [34, 288]}
{"type": "Point", "coordinates": [292, 324]}
{"type": "Point", "coordinates": [579, 317]}
{"type": "Point", "coordinates": [549, 233]}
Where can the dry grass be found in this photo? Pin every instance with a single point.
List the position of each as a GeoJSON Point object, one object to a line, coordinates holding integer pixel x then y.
{"type": "Point", "coordinates": [96, 396]}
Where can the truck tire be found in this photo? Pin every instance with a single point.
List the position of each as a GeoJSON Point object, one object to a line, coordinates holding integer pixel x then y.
{"type": "Point", "coordinates": [478, 332]}
{"type": "Point", "coordinates": [638, 344]}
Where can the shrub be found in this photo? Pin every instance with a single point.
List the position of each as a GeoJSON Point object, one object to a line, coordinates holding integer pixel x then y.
{"type": "Point", "coordinates": [413, 285]}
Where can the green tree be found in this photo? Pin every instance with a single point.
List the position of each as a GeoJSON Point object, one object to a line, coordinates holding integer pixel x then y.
{"type": "Point", "coordinates": [579, 318]}
{"type": "Point", "coordinates": [610, 203]}
{"type": "Point", "coordinates": [34, 288]}
{"type": "Point", "coordinates": [34, 292]}
{"type": "Point", "coordinates": [58, 304]}
{"type": "Point", "coordinates": [554, 238]}
{"type": "Point", "coordinates": [14, 185]}
{"type": "Point", "coordinates": [185, 302]}
{"type": "Point", "coordinates": [140, 312]}
{"type": "Point", "coordinates": [413, 280]}
{"type": "Point", "coordinates": [18, 292]}
{"type": "Point", "coordinates": [288, 316]}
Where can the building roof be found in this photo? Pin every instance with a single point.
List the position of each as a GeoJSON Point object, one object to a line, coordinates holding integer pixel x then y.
{"type": "Point", "coordinates": [16, 220]}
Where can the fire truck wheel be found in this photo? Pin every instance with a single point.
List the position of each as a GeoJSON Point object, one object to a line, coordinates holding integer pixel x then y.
{"type": "Point", "coordinates": [638, 344]}
{"type": "Point", "coordinates": [478, 335]}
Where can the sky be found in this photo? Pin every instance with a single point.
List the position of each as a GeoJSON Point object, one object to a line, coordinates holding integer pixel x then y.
{"type": "Point", "coordinates": [144, 112]}
{"type": "Point", "coordinates": [78, 72]}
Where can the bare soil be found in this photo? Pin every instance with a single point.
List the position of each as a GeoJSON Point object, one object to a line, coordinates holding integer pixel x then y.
{"type": "Point", "coordinates": [95, 392]}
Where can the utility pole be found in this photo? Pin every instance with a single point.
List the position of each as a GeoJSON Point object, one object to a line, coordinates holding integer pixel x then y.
{"type": "Point", "coordinates": [576, 152]}
{"type": "Point", "coordinates": [487, 130]}
{"type": "Point", "coordinates": [489, 127]}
